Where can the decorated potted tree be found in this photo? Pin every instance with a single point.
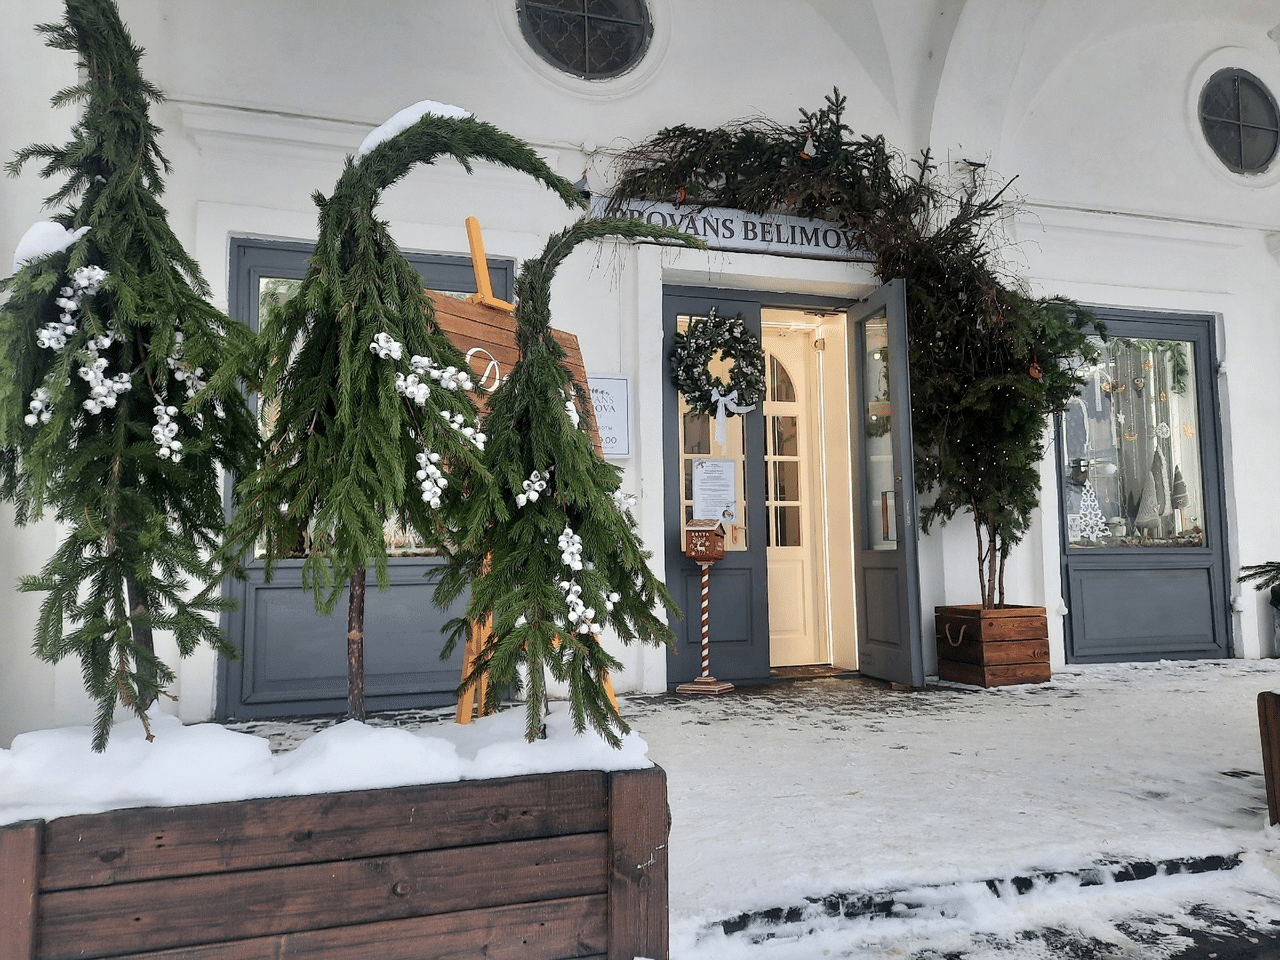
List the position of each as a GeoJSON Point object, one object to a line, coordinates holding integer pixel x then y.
{"type": "Point", "coordinates": [989, 363]}
{"type": "Point", "coordinates": [109, 418]}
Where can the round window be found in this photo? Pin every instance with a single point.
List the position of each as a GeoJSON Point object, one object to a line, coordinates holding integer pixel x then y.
{"type": "Point", "coordinates": [1240, 120]}
{"type": "Point", "coordinates": [592, 39]}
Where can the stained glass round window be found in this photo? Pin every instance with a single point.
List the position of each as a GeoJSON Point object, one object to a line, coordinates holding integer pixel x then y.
{"type": "Point", "coordinates": [1240, 120]}
{"type": "Point", "coordinates": [592, 39]}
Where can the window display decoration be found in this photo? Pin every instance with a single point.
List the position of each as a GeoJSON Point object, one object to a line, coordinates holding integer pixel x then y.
{"type": "Point", "coordinates": [707, 394]}
{"type": "Point", "coordinates": [1093, 525]}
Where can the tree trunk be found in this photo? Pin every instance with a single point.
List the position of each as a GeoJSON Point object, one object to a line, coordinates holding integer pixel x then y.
{"type": "Point", "coordinates": [355, 647]}
{"type": "Point", "coordinates": [148, 686]}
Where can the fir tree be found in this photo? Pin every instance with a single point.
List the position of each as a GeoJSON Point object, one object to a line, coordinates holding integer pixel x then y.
{"type": "Point", "coordinates": [989, 364]}
{"type": "Point", "coordinates": [372, 419]}
{"type": "Point", "coordinates": [557, 559]}
{"type": "Point", "coordinates": [105, 340]}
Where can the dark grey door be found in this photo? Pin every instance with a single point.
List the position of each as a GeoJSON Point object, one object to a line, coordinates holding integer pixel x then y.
{"type": "Point", "coordinates": [886, 525]}
{"type": "Point", "coordinates": [1143, 521]}
{"type": "Point", "coordinates": [739, 589]}
{"type": "Point", "coordinates": [293, 661]}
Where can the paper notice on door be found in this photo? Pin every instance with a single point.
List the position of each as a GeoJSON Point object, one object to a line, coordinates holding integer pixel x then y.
{"type": "Point", "coordinates": [715, 490]}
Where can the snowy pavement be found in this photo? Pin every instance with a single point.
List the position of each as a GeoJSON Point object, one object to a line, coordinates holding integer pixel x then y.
{"type": "Point", "coordinates": [840, 818]}
{"type": "Point", "coordinates": [922, 815]}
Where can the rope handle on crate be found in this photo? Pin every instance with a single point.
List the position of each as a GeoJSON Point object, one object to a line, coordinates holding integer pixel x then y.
{"type": "Point", "coordinates": [946, 628]}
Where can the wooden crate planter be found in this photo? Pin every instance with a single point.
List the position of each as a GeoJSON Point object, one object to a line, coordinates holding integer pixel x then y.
{"type": "Point", "coordinates": [546, 866]}
{"type": "Point", "coordinates": [1269, 725]}
{"type": "Point", "coordinates": [992, 648]}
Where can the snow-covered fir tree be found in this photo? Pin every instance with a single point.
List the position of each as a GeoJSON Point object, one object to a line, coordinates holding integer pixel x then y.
{"type": "Point", "coordinates": [373, 420]}
{"type": "Point", "coordinates": [558, 559]}
{"type": "Point", "coordinates": [105, 337]}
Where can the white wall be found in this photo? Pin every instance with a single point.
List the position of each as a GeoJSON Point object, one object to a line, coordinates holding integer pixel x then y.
{"type": "Point", "coordinates": [1090, 102]}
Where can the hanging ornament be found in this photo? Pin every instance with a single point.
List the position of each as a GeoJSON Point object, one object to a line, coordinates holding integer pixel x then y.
{"type": "Point", "coordinates": [1037, 374]}
{"type": "Point", "coordinates": [1163, 431]}
{"type": "Point", "coordinates": [1188, 430]}
{"type": "Point", "coordinates": [1164, 397]}
{"type": "Point", "coordinates": [1138, 384]}
{"type": "Point", "coordinates": [1146, 366]}
{"type": "Point", "coordinates": [1130, 436]}
{"type": "Point", "coordinates": [809, 150]}
{"type": "Point", "coordinates": [1106, 386]}
{"type": "Point", "coordinates": [1093, 525]}
{"type": "Point", "coordinates": [681, 195]}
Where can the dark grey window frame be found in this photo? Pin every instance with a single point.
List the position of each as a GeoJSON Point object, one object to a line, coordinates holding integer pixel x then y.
{"type": "Point", "coordinates": [245, 690]}
{"type": "Point", "coordinates": [529, 29]}
{"type": "Point", "coordinates": [1236, 76]}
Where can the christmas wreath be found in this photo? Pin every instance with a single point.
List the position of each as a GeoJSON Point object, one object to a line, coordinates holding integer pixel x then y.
{"type": "Point", "coordinates": [692, 353]}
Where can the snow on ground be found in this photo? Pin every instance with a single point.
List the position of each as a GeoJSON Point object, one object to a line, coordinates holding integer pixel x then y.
{"type": "Point", "coordinates": [786, 794]}
{"type": "Point", "coordinates": [843, 786]}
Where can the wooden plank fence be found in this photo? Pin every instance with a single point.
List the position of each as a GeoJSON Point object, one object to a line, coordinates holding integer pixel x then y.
{"type": "Point", "coordinates": [570, 865]}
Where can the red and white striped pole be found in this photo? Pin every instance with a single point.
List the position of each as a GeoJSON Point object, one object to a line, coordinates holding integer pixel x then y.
{"type": "Point", "coordinates": [706, 683]}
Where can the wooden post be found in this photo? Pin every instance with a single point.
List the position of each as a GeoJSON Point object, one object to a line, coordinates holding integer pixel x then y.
{"type": "Point", "coordinates": [639, 824]}
{"type": "Point", "coordinates": [20, 846]}
{"type": "Point", "coordinates": [1269, 724]}
{"type": "Point", "coordinates": [706, 683]}
{"type": "Point", "coordinates": [480, 264]}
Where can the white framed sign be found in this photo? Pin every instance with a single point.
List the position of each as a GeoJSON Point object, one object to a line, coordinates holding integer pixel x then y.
{"type": "Point", "coordinates": [611, 398]}
{"type": "Point", "coordinates": [715, 490]}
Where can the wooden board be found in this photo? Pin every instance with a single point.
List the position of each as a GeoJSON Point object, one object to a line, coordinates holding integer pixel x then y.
{"type": "Point", "coordinates": [1269, 725]}
{"type": "Point", "coordinates": [997, 675]}
{"type": "Point", "coordinates": [152, 843]}
{"type": "Point", "coordinates": [988, 652]}
{"type": "Point", "coordinates": [19, 880]}
{"type": "Point", "coordinates": [488, 335]}
{"type": "Point", "coordinates": [547, 930]}
{"type": "Point", "coordinates": [638, 926]}
{"type": "Point", "coordinates": [972, 622]}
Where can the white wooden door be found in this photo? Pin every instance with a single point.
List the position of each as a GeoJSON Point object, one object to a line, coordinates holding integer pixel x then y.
{"type": "Point", "coordinates": [797, 624]}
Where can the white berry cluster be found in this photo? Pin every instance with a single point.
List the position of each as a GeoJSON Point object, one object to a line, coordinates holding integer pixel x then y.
{"type": "Point", "coordinates": [386, 347]}
{"type": "Point", "coordinates": [581, 617]}
{"type": "Point", "coordinates": [103, 390]}
{"type": "Point", "coordinates": [192, 380]}
{"type": "Point", "coordinates": [84, 283]}
{"type": "Point", "coordinates": [570, 545]}
{"type": "Point", "coordinates": [432, 478]}
{"type": "Point", "coordinates": [165, 432]}
{"type": "Point", "coordinates": [624, 501]}
{"type": "Point", "coordinates": [533, 488]}
{"type": "Point", "coordinates": [459, 423]}
{"type": "Point", "coordinates": [415, 386]}
{"type": "Point", "coordinates": [41, 409]}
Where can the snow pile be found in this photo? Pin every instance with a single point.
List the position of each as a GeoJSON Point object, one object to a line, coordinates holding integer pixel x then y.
{"type": "Point", "coordinates": [54, 773]}
{"type": "Point", "coordinates": [406, 118]}
{"type": "Point", "coordinates": [43, 238]}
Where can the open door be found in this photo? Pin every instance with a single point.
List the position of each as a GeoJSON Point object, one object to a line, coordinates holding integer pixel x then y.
{"type": "Point", "coordinates": [886, 524]}
{"type": "Point", "coordinates": [696, 461]}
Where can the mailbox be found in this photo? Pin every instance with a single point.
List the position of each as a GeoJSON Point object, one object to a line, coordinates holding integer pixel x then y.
{"type": "Point", "coordinates": [704, 540]}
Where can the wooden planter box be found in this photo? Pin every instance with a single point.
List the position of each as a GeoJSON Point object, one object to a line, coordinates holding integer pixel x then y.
{"type": "Point", "coordinates": [992, 648]}
{"type": "Point", "coordinates": [546, 866]}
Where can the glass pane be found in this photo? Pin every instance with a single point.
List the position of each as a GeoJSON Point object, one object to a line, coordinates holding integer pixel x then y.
{"type": "Point", "coordinates": [1219, 100]}
{"type": "Point", "coordinates": [784, 437]}
{"type": "Point", "coordinates": [1257, 147]}
{"type": "Point", "coordinates": [781, 389]}
{"type": "Point", "coordinates": [1255, 106]}
{"type": "Point", "coordinates": [1132, 449]}
{"type": "Point", "coordinates": [697, 433]}
{"type": "Point", "coordinates": [1224, 137]}
{"type": "Point", "coordinates": [787, 522]}
{"type": "Point", "coordinates": [880, 522]}
{"type": "Point", "coordinates": [786, 480]}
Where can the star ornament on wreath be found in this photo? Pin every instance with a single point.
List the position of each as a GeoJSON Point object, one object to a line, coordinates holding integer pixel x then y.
{"type": "Point", "coordinates": [707, 394]}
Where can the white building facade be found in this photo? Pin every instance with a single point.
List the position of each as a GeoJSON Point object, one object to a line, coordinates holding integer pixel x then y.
{"type": "Point", "coordinates": [1096, 106]}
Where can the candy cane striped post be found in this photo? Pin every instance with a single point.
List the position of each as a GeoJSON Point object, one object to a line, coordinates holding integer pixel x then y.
{"type": "Point", "coordinates": [706, 683]}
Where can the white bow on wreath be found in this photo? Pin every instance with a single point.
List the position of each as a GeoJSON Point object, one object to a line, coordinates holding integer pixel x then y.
{"type": "Point", "coordinates": [726, 403]}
